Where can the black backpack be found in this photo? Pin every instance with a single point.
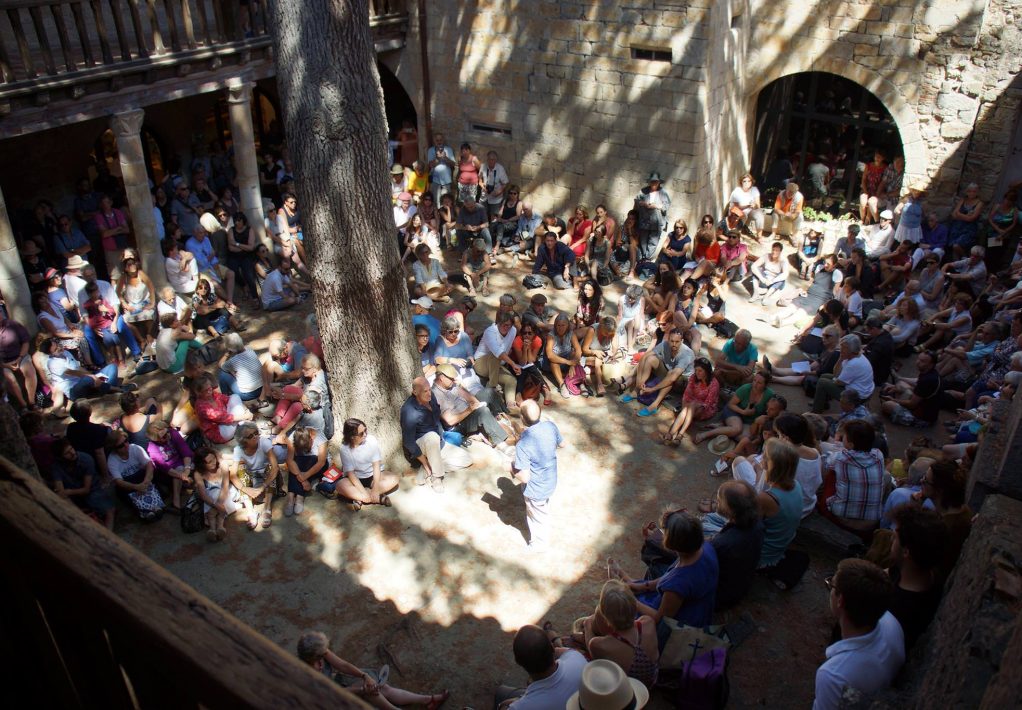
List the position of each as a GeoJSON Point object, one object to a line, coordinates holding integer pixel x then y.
{"type": "Point", "coordinates": [192, 517]}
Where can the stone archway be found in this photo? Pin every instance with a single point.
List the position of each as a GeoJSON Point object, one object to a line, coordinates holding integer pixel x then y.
{"type": "Point", "coordinates": [916, 154]}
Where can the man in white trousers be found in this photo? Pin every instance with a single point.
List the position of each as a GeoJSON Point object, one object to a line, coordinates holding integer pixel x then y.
{"type": "Point", "coordinates": [535, 465]}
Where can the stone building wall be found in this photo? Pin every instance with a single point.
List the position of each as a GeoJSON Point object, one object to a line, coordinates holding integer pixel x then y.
{"type": "Point", "coordinates": [588, 120]}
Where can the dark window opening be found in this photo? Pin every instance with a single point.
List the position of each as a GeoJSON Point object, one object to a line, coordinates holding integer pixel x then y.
{"type": "Point", "coordinates": [652, 55]}
{"type": "Point", "coordinates": [491, 129]}
{"type": "Point", "coordinates": [811, 119]}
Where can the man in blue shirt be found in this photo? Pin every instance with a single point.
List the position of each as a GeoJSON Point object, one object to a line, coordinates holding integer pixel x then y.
{"type": "Point", "coordinates": [736, 363]}
{"type": "Point", "coordinates": [558, 259]}
{"type": "Point", "coordinates": [208, 262]}
{"type": "Point", "coordinates": [421, 316]}
{"type": "Point", "coordinates": [422, 438]}
{"type": "Point", "coordinates": [535, 465]}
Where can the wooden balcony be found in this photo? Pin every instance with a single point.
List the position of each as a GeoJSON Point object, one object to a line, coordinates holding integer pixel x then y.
{"type": "Point", "coordinates": [67, 56]}
{"type": "Point", "coordinates": [88, 622]}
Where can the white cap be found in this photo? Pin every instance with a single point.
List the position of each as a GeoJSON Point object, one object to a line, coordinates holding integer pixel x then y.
{"type": "Point", "coordinates": [886, 214]}
{"type": "Point", "coordinates": [423, 301]}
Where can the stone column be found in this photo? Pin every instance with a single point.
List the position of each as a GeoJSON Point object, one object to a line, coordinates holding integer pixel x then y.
{"type": "Point", "coordinates": [127, 127]}
{"type": "Point", "coordinates": [13, 283]}
{"type": "Point", "coordinates": [246, 163]}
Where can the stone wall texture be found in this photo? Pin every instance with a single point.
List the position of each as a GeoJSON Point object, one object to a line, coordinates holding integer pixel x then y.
{"type": "Point", "coordinates": [588, 120]}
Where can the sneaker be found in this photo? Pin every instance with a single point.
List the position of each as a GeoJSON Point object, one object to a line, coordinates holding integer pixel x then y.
{"type": "Point", "coordinates": [436, 483]}
{"type": "Point", "coordinates": [299, 504]}
{"type": "Point", "coordinates": [289, 508]}
{"type": "Point", "coordinates": [420, 477]}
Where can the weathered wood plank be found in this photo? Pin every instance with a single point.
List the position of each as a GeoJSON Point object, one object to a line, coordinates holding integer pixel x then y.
{"type": "Point", "coordinates": [36, 13]}
{"type": "Point", "coordinates": [66, 49]}
{"type": "Point", "coordinates": [101, 34]}
{"type": "Point", "coordinates": [83, 34]}
{"type": "Point", "coordinates": [14, 17]}
{"type": "Point", "coordinates": [122, 36]}
{"type": "Point", "coordinates": [136, 24]}
{"type": "Point", "coordinates": [225, 662]}
{"type": "Point", "coordinates": [186, 21]}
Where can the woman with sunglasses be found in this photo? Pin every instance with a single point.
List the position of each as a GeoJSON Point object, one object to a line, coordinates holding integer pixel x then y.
{"type": "Point", "coordinates": [132, 472]}
{"type": "Point", "coordinates": [525, 350]}
{"type": "Point", "coordinates": [699, 402]}
{"type": "Point", "coordinates": [364, 481]}
{"type": "Point", "coordinates": [428, 211]}
{"type": "Point", "coordinates": [505, 223]}
{"type": "Point", "coordinates": [138, 299]}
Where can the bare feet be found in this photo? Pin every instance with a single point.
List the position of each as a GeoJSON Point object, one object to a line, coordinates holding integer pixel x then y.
{"type": "Point", "coordinates": [614, 570]}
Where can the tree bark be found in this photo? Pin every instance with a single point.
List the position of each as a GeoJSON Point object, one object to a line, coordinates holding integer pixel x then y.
{"type": "Point", "coordinates": [336, 130]}
{"type": "Point", "coordinates": [15, 447]}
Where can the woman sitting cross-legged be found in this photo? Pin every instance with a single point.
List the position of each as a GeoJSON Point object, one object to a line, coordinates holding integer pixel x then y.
{"type": "Point", "coordinates": [699, 402]}
{"type": "Point", "coordinates": [686, 590]}
{"type": "Point", "coordinates": [370, 684]}
{"type": "Point", "coordinates": [306, 457]}
{"type": "Point", "coordinates": [365, 482]}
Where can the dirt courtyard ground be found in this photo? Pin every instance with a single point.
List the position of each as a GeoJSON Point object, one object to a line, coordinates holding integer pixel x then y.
{"type": "Point", "coordinates": [437, 585]}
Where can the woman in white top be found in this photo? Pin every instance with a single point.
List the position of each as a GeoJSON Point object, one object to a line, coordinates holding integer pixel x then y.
{"type": "Point", "coordinates": [746, 198]}
{"type": "Point", "coordinates": [255, 458]}
{"type": "Point", "coordinates": [53, 323]}
{"type": "Point", "coordinates": [795, 429]}
{"type": "Point", "coordinates": [364, 482]}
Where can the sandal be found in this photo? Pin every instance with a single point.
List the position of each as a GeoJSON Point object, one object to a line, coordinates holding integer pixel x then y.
{"type": "Point", "coordinates": [436, 701]}
{"type": "Point", "coordinates": [266, 519]}
{"type": "Point", "coordinates": [385, 501]}
{"type": "Point", "coordinates": [253, 522]}
{"type": "Point", "coordinates": [355, 506]}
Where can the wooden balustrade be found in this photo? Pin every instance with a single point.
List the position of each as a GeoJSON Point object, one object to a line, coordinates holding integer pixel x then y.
{"type": "Point", "coordinates": [42, 40]}
{"type": "Point", "coordinates": [87, 621]}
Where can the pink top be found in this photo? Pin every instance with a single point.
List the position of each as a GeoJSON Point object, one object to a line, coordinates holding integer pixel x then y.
{"type": "Point", "coordinates": [468, 172]}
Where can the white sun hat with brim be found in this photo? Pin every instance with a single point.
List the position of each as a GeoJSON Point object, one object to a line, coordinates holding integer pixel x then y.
{"type": "Point", "coordinates": [720, 445]}
{"type": "Point", "coordinates": [606, 687]}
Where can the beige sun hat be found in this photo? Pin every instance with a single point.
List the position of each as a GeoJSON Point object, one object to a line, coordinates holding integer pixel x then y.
{"type": "Point", "coordinates": [606, 687]}
{"type": "Point", "coordinates": [720, 445]}
{"type": "Point", "coordinates": [210, 223]}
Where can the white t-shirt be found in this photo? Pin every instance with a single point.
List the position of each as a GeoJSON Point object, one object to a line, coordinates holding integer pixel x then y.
{"type": "Point", "coordinates": [866, 663]}
{"type": "Point", "coordinates": [177, 309]}
{"type": "Point", "coordinates": [258, 461]}
{"type": "Point", "coordinates": [246, 369]}
{"type": "Point", "coordinates": [166, 348]}
{"type": "Point", "coordinates": [555, 691]}
{"type": "Point", "coordinates": [492, 343]}
{"type": "Point", "coordinates": [273, 286]}
{"type": "Point", "coordinates": [857, 375]}
{"type": "Point", "coordinates": [182, 282]}
{"type": "Point", "coordinates": [809, 474]}
{"type": "Point", "coordinates": [137, 460]}
{"type": "Point", "coordinates": [745, 198]}
{"type": "Point", "coordinates": [360, 459]}
{"type": "Point", "coordinates": [73, 285]}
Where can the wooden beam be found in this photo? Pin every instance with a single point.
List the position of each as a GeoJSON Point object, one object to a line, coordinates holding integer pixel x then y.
{"type": "Point", "coordinates": [225, 662]}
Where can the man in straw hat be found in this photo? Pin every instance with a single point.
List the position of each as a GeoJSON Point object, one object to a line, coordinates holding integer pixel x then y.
{"type": "Point", "coordinates": [553, 678]}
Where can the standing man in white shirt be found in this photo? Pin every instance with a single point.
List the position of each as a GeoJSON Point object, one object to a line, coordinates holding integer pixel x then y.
{"type": "Point", "coordinates": [495, 179]}
{"type": "Point", "coordinates": [440, 161]}
{"type": "Point", "coordinates": [872, 646]}
{"type": "Point", "coordinates": [852, 371]}
{"type": "Point", "coordinates": [494, 351]}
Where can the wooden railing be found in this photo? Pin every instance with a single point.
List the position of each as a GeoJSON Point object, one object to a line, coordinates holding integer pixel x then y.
{"type": "Point", "coordinates": [87, 621]}
{"type": "Point", "coordinates": [45, 41]}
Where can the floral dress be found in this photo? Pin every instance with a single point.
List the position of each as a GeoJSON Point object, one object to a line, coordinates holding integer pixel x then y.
{"type": "Point", "coordinates": [703, 396]}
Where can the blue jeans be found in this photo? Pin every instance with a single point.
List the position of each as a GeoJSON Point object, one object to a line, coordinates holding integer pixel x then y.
{"type": "Point", "coordinates": [85, 387]}
{"type": "Point", "coordinates": [123, 335]}
{"type": "Point", "coordinates": [229, 386]}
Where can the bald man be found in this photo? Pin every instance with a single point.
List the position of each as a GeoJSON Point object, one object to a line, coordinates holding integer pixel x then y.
{"type": "Point", "coordinates": [422, 438]}
{"type": "Point", "coordinates": [535, 465]}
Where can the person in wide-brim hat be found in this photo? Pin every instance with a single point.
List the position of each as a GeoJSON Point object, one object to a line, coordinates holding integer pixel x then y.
{"type": "Point", "coordinates": [606, 687]}
{"type": "Point", "coordinates": [654, 177]}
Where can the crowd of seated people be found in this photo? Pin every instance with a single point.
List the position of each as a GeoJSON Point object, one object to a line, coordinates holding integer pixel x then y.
{"type": "Point", "coordinates": [902, 292]}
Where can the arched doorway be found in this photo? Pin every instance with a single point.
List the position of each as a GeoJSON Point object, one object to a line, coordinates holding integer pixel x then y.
{"type": "Point", "coordinates": [400, 110]}
{"type": "Point", "coordinates": [817, 118]}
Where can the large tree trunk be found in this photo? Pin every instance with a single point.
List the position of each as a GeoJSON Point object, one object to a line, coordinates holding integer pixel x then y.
{"type": "Point", "coordinates": [337, 132]}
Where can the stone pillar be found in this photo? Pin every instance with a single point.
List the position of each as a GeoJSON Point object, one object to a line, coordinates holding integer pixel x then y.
{"type": "Point", "coordinates": [246, 163]}
{"type": "Point", "coordinates": [127, 127]}
{"type": "Point", "coordinates": [13, 283]}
